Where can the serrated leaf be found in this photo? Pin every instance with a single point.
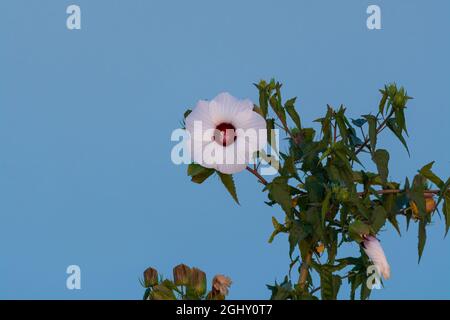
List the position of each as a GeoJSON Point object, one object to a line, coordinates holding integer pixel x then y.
{"type": "Point", "coordinates": [394, 222]}
{"type": "Point", "coordinates": [281, 291]}
{"type": "Point", "coordinates": [198, 173]}
{"type": "Point", "coordinates": [340, 120]}
{"type": "Point", "coordinates": [428, 173]}
{"type": "Point", "coordinates": [263, 97]}
{"type": "Point", "coordinates": [228, 182]}
{"type": "Point", "coordinates": [290, 108]}
{"type": "Point", "coordinates": [329, 284]}
{"type": "Point", "coordinates": [378, 218]}
{"type": "Point", "coordinates": [372, 121]}
{"type": "Point", "coordinates": [194, 169]}
{"type": "Point", "coordinates": [400, 118]}
{"type": "Point", "coordinates": [297, 233]}
{"type": "Point", "coordinates": [278, 227]}
{"type": "Point", "coordinates": [277, 108]}
{"type": "Point", "coordinates": [392, 125]}
{"type": "Point", "coordinates": [279, 192]}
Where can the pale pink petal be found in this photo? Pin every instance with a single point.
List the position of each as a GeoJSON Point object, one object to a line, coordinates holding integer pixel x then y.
{"type": "Point", "coordinates": [231, 168]}
{"type": "Point", "coordinates": [200, 114]}
{"type": "Point", "coordinates": [196, 148]}
{"type": "Point", "coordinates": [225, 108]}
{"type": "Point", "coordinates": [375, 252]}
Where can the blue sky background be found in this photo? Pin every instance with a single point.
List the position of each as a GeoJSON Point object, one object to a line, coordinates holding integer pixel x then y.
{"type": "Point", "coordinates": [86, 117]}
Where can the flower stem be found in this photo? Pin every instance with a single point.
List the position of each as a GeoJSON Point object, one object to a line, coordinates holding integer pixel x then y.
{"type": "Point", "coordinates": [256, 174]}
{"type": "Point", "coordinates": [304, 271]}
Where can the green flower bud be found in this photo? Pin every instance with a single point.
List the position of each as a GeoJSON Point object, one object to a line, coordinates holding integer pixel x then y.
{"type": "Point", "coordinates": [399, 100]}
{"type": "Point", "coordinates": [150, 277]}
{"type": "Point", "coordinates": [343, 195]}
{"type": "Point", "coordinates": [392, 90]}
{"type": "Point", "coordinates": [181, 275]}
{"type": "Point", "coordinates": [198, 281]}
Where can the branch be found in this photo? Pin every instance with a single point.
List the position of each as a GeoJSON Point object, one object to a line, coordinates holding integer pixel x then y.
{"type": "Point", "coordinates": [256, 174]}
{"type": "Point", "coordinates": [379, 129]}
{"type": "Point", "coordinates": [393, 191]}
{"type": "Point", "coordinates": [304, 271]}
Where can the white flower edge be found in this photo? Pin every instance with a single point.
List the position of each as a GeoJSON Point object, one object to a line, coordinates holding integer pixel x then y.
{"type": "Point", "coordinates": [224, 109]}
{"type": "Point", "coordinates": [375, 252]}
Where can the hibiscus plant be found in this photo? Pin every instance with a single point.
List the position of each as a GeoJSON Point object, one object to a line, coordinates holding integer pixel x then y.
{"type": "Point", "coordinates": [328, 196]}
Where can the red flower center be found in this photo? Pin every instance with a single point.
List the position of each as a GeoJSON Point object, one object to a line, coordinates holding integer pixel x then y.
{"type": "Point", "coordinates": [225, 134]}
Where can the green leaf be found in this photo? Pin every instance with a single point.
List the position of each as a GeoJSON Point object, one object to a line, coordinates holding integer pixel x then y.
{"type": "Point", "coordinates": [290, 108]}
{"type": "Point", "coordinates": [186, 113]}
{"type": "Point", "coordinates": [381, 159]}
{"type": "Point", "coordinates": [443, 191]}
{"type": "Point", "coordinates": [422, 237]}
{"type": "Point", "coordinates": [263, 97]}
{"type": "Point", "coordinates": [446, 211]}
{"type": "Point", "coordinates": [393, 220]}
{"type": "Point", "coordinates": [194, 169]}
{"type": "Point", "coordinates": [297, 233]}
{"type": "Point", "coordinates": [278, 228]}
{"type": "Point", "coordinates": [416, 194]}
{"type": "Point", "coordinates": [372, 121]}
{"type": "Point", "coordinates": [340, 120]}
{"type": "Point", "coordinates": [359, 122]}
{"type": "Point", "coordinates": [427, 173]}
{"type": "Point", "coordinates": [383, 100]}
{"type": "Point", "coordinates": [329, 284]}
{"type": "Point", "coordinates": [325, 206]}
{"type": "Point", "coordinates": [378, 218]}
{"type": "Point", "coordinates": [365, 291]}
{"type": "Point", "coordinates": [228, 182]}
{"type": "Point", "coordinates": [146, 294]}
{"type": "Point", "coordinates": [358, 228]}
{"type": "Point", "coordinates": [355, 281]}
{"type": "Point", "coordinates": [277, 108]}
{"type": "Point", "coordinates": [400, 117]}
{"type": "Point", "coordinates": [392, 125]}
{"type": "Point", "coordinates": [198, 173]}
{"type": "Point", "coordinates": [281, 291]}
{"type": "Point", "coordinates": [279, 192]}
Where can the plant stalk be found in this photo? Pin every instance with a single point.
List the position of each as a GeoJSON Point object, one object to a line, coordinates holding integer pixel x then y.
{"type": "Point", "coordinates": [304, 271]}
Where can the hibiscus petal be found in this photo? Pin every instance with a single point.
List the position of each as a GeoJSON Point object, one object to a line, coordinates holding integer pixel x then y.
{"type": "Point", "coordinates": [250, 120]}
{"type": "Point", "coordinates": [196, 148]}
{"type": "Point", "coordinates": [200, 114]}
{"type": "Point", "coordinates": [225, 108]}
{"type": "Point", "coordinates": [375, 252]}
{"type": "Point", "coordinates": [231, 168]}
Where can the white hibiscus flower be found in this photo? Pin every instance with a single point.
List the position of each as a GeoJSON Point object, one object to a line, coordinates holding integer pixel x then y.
{"type": "Point", "coordinates": [375, 252]}
{"type": "Point", "coordinates": [225, 133]}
